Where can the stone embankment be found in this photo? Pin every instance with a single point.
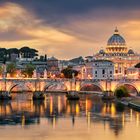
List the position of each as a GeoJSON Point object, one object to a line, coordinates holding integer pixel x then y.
{"type": "Point", "coordinates": [135, 103]}
{"type": "Point", "coordinates": [131, 102]}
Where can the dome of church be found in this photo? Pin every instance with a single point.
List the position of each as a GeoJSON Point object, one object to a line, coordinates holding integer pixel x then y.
{"type": "Point", "coordinates": [131, 51]}
{"type": "Point", "coordinates": [101, 52]}
{"type": "Point", "coordinates": [116, 44]}
{"type": "Point", "coordinates": [116, 39]}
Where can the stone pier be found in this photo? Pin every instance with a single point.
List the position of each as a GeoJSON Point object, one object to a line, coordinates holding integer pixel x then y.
{"type": "Point", "coordinates": [4, 95]}
{"type": "Point", "coordinates": [38, 95]}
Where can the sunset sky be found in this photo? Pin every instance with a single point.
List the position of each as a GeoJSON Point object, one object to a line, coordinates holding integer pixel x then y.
{"type": "Point", "coordinates": [68, 28]}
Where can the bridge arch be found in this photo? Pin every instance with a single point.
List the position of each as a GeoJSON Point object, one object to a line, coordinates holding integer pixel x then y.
{"type": "Point", "coordinates": [129, 86]}
{"type": "Point", "coordinates": [55, 86]}
{"type": "Point", "coordinates": [91, 87]}
{"type": "Point", "coordinates": [17, 85]}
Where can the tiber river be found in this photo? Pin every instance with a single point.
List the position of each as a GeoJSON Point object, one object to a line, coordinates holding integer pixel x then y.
{"type": "Point", "coordinates": [59, 119]}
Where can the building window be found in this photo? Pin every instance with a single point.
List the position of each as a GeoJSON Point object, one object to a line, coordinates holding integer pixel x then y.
{"type": "Point", "coordinates": [95, 72]}
{"type": "Point", "coordinates": [103, 71]}
{"type": "Point", "coordinates": [110, 72]}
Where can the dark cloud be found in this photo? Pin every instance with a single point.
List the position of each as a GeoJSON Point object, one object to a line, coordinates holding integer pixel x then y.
{"type": "Point", "coordinates": [51, 9]}
{"type": "Point", "coordinates": [90, 22]}
{"type": "Point", "coordinates": [58, 12]}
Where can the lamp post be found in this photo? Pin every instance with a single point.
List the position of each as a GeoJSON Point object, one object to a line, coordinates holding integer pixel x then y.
{"type": "Point", "coordinates": [45, 74]}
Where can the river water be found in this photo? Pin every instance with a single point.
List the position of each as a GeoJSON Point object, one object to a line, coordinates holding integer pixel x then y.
{"type": "Point", "coordinates": [59, 119]}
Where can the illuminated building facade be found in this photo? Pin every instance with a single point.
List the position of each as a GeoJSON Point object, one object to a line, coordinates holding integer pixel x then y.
{"type": "Point", "coordinates": [53, 66]}
{"type": "Point", "coordinates": [116, 52]}
{"type": "Point", "coordinates": [103, 69]}
{"type": "Point", "coordinates": [122, 57]}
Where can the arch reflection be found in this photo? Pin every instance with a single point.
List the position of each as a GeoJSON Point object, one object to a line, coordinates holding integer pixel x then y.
{"type": "Point", "coordinates": [90, 108]}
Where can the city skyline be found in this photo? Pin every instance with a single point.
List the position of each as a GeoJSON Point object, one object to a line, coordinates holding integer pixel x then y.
{"type": "Point", "coordinates": [68, 29]}
{"type": "Point", "coordinates": [69, 69]}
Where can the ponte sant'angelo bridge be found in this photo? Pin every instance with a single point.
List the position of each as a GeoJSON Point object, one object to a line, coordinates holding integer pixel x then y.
{"type": "Point", "coordinates": [43, 85]}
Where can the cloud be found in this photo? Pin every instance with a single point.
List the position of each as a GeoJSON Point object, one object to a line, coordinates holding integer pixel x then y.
{"type": "Point", "coordinates": [19, 27]}
{"type": "Point", "coordinates": [70, 29]}
{"type": "Point", "coordinates": [59, 11]}
{"type": "Point", "coordinates": [13, 16]}
{"type": "Point", "coordinates": [17, 20]}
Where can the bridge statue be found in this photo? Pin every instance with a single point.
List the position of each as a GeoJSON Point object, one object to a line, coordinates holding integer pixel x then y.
{"type": "Point", "coordinates": [45, 74]}
{"type": "Point", "coordinates": [34, 74]}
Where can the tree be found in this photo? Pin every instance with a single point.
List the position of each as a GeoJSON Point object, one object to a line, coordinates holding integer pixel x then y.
{"type": "Point", "coordinates": [121, 92]}
{"type": "Point", "coordinates": [1, 70]}
{"type": "Point", "coordinates": [28, 71]}
{"type": "Point", "coordinates": [11, 69]}
{"type": "Point", "coordinates": [12, 51]}
{"type": "Point", "coordinates": [3, 53]}
{"type": "Point", "coordinates": [41, 58]}
{"type": "Point", "coordinates": [68, 72]}
{"type": "Point", "coordinates": [28, 52]}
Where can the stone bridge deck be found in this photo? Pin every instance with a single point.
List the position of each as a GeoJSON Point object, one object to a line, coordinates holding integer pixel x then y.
{"type": "Point", "coordinates": [42, 84]}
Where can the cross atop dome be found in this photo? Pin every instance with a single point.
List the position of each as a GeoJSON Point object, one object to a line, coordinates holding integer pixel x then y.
{"type": "Point", "coordinates": [116, 31]}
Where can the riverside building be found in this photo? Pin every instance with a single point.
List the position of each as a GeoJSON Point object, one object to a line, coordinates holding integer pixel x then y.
{"type": "Point", "coordinates": [122, 57]}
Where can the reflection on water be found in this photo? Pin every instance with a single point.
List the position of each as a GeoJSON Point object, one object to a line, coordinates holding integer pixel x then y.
{"type": "Point", "coordinates": [56, 116]}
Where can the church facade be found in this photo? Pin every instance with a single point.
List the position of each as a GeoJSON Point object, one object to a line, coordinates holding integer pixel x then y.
{"type": "Point", "coordinates": [117, 51]}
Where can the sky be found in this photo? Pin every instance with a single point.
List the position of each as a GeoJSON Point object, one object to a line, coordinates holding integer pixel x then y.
{"type": "Point", "coordinates": [68, 28]}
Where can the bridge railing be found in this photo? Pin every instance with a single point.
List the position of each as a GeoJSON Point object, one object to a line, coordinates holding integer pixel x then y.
{"type": "Point", "coordinates": [65, 79]}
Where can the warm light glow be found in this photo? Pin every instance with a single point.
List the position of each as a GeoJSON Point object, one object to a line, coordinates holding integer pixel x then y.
{"type": "Point", "coordinates": [88, 119]}
{"type": "Point", "coordinates": [68, 109]}
{"type": "Point", "coordinates": [77, 109]}
{"type": "Point", "coordinates": [104, 110]}
{"type": "Point", "coordinates": [51, 105]}
{"type": "Point", "coordinates": [23, 120]}
{"type": "Point", "coordinates": [113, 110]}
{"type": "Point", "coordinates": [137, 119]}
{"type": "Point", "coordinates": [86, 108]}
{"type": "Point", "coordinates": [54, 122]}
{"type": "Point", "coordinates": [131, 115]}
{"type": "Point", "coordinates": [89, 76]}
{"type": "Point", "coordinates": [78, 87]}
{"type": "Point", "coordinates": [59, 104]}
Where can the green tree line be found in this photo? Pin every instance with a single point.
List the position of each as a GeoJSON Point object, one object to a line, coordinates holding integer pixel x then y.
{"type": "Point", "coordinates": [12, 70]}
{"type": "Point", "coordinates": [25, 51]}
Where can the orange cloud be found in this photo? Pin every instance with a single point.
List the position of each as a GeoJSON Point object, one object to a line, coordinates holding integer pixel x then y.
{"type": "Point", "coordinates": [83, 35]}
{"type": "Point", "coordinates": [15, 17]}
